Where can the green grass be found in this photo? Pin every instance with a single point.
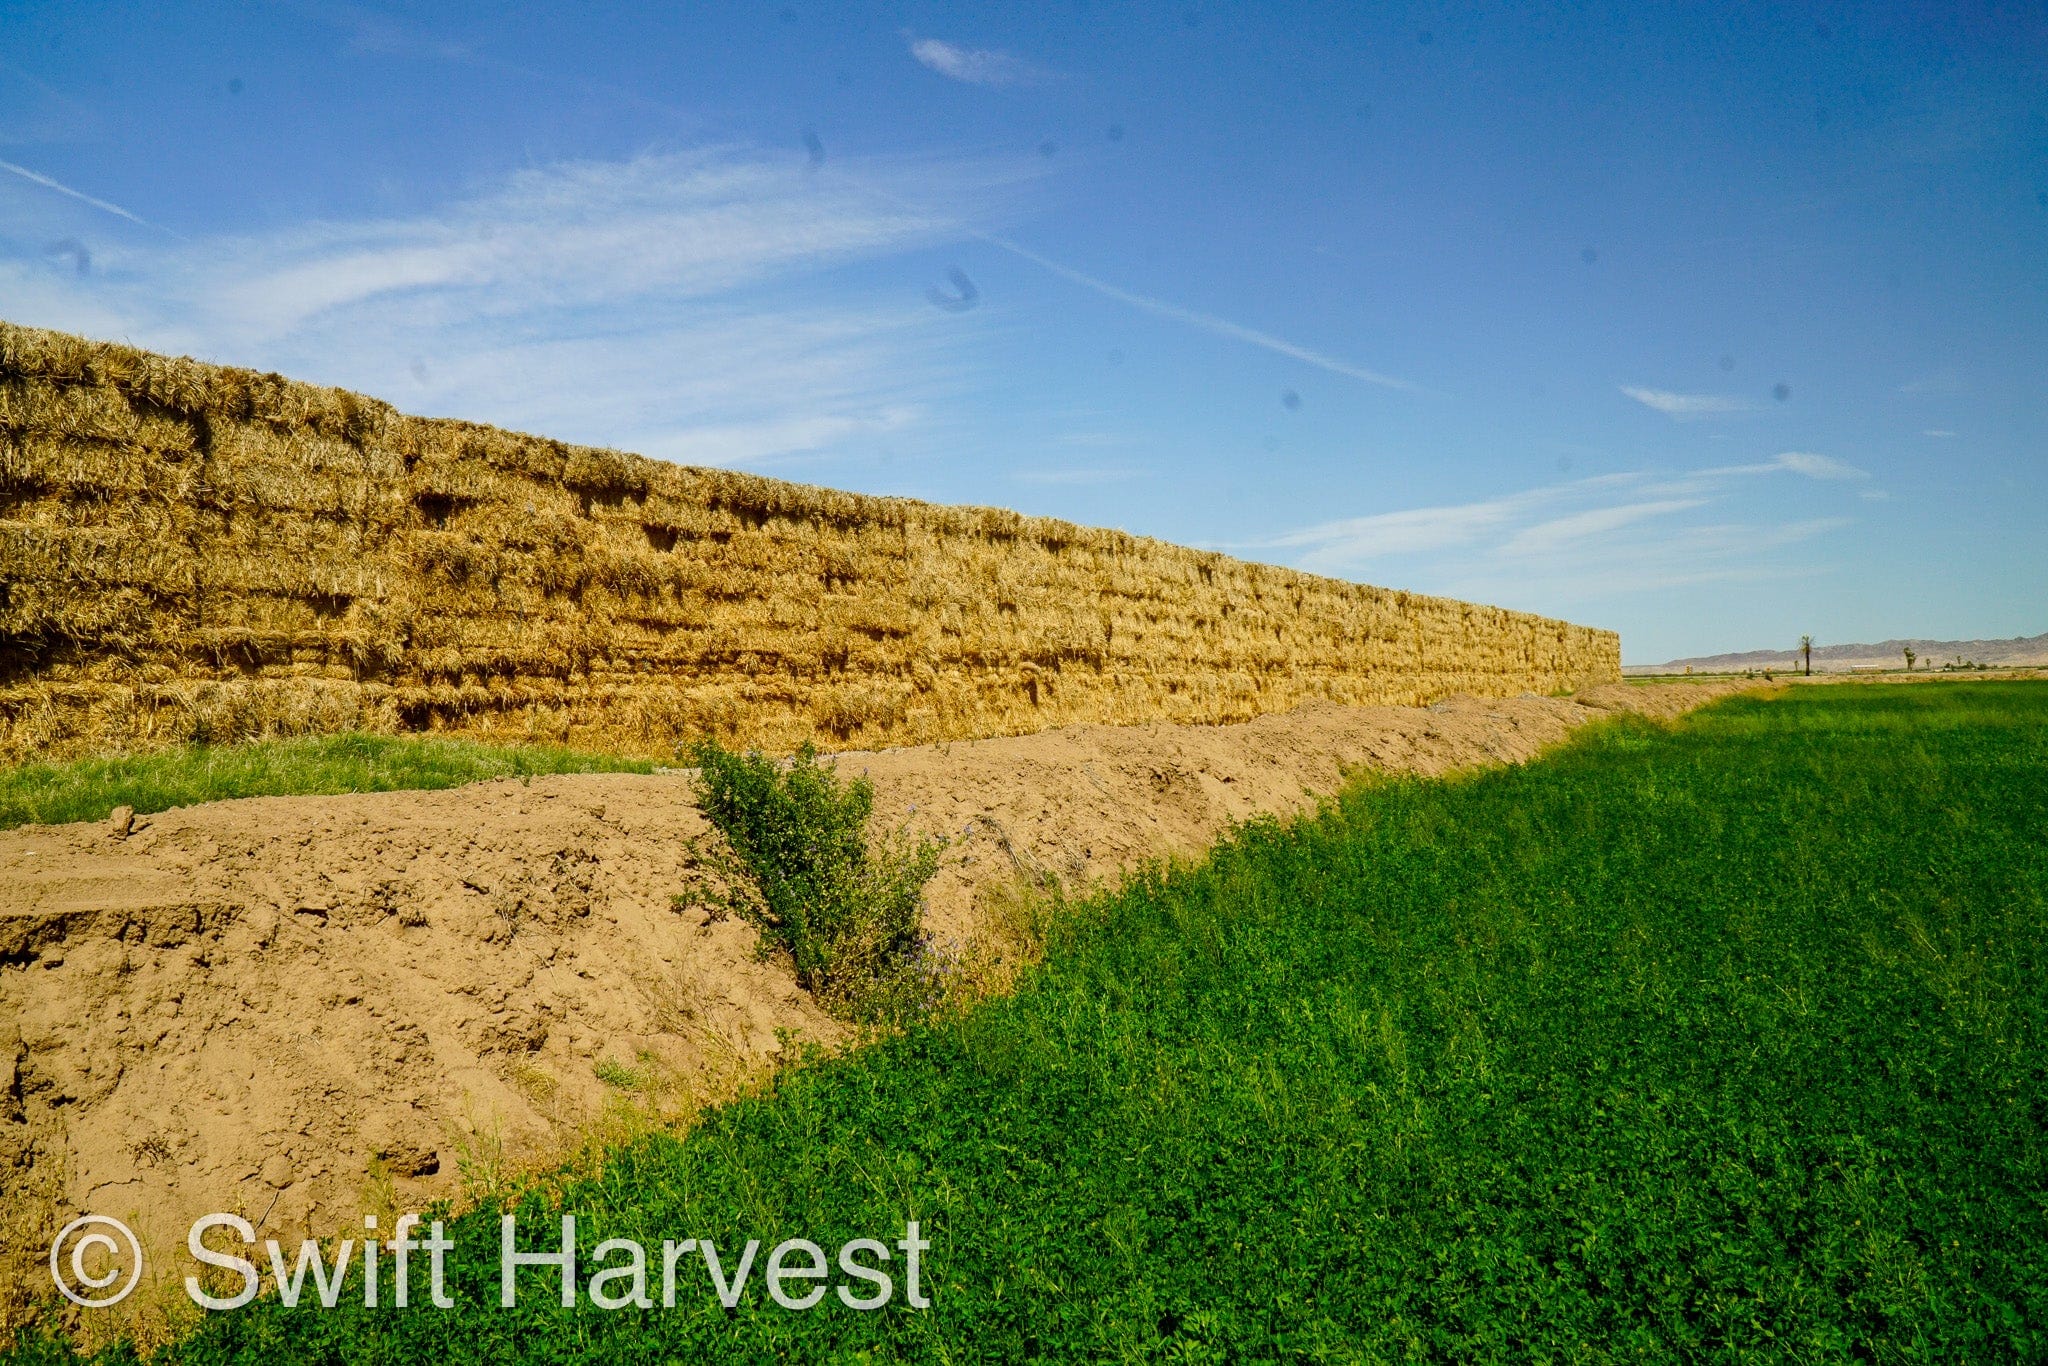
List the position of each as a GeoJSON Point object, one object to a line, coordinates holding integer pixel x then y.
{"type": "Point", "coordinates": [89, 789]}
{"type": "Point", "coordinates": [1655, 680]}
{"type": "Point", "coordinates": [1718, 1042]}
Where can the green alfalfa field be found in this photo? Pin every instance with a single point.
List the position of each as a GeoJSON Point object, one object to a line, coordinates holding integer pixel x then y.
{"type": "Point", "coordinates": [1716, 1041]}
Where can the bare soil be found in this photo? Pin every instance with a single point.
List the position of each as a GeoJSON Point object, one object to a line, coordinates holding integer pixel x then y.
{"type": "Point", "coordinates": [299, 1008]}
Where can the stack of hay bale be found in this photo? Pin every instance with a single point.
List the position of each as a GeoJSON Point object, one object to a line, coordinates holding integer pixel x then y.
{"type": "Point", "coordinates": [194, 552]}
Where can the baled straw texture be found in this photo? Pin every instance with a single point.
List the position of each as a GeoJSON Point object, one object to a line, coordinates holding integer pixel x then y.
{"type": "Point", "coordinates": [190, 551]}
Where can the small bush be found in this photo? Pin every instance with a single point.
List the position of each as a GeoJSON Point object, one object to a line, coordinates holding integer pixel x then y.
{"type": "Point", "coordinates": [848, 916]}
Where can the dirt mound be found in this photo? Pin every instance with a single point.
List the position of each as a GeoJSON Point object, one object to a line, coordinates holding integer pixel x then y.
{"type": "Point", "coordinates": [299, 1007]}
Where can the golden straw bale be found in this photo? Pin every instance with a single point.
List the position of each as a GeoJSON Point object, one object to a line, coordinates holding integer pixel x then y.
{"type": "Point", "coordinates": [186, 549]}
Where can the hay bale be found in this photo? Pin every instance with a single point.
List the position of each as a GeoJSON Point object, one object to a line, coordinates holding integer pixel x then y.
{"type": "Point", "coordinates": [193, 550]}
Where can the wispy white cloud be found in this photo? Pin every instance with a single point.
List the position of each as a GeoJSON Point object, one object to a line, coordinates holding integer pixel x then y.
{"type": "Point", "coordinates": [1560, 533]}
{"type": "Point", "coordinates": [1939, 432]}
{"type": "Point", "coordinates": [662, 303]}
{"type": "Point", "coordinates": [1818, 466]}
{"type": "Point", "coordinates": [728, 383]}
{"type": "Point", "coordinates": [575, 235]}
{"type": "Point", "coordinates": [1207, 322]}
{"type": "Point", "coordinates": [1651, 560]}
{"type": "Point", "coordinates": [974, 66]}
{"type": "Point", "coordinates": [1684, 406]}
{"type": "Point", "coordinates": [1796, 462]}
{"type": "Point", "coordinates": [754, 442]}
{"type": "Point", "coordinates": [1579, 538]}
{"type": "Point", "coordinates": [1716, 552]}
{"type": "Point", "coordinates": [1332, 547]}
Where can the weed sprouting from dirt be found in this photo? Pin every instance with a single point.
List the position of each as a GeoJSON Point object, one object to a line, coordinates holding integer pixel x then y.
{"type": "Point", "coordinates": [797, 861]}
{"type": "Point", "coordinates": [618, 1075]}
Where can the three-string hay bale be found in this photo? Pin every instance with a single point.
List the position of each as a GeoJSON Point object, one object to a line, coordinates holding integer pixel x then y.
{"type": "Point", "coordinates": [193, 552]}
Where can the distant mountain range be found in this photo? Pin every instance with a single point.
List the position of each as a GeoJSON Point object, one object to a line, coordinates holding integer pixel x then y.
{"type": "Point", "coordinates": [1884, 654]}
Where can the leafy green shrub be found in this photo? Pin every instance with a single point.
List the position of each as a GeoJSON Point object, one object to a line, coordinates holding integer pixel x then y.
{"type": "Point", "coordinates": [848, 916]}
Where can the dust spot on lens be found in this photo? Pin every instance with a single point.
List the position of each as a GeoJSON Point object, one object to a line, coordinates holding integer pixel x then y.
{"type": "Point", "coordinates": [1727, 362]}
{"type": "Point", "coordinates": [235, 85]}
{"type": "Point", "coordinates": [1048, 148]}
{"type": "Point", "coordinates": [72, 250]}
{"type": "Point", "coordinates": [1588, 255]}
{"type": "Point", "coordinates": [814, 149]}
{"type": "Point", "coordinates": [1290, 400]}
{"type": "Point", "coordinates": [963, 297]}
{"type": "Point", "coordinates": [1115, 132]}
{"type": "Point", "coordinates": [419, 370]}
{"type": "Point", "coordinates": [1116, 355]}
{"type": "Point", "coordinates": [1781, 391]}
{"type": "Point", "coordinates": [1425, 37]}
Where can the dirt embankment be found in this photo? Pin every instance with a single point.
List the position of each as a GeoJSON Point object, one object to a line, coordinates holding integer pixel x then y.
{"type": "Point", "coordinates": [299, 1007]}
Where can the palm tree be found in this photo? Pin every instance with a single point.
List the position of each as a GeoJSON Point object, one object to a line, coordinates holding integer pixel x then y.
{"type": "Point", "coordinates": [1910, 657]}
{"type": "Point", "coordinates": [1806, 653]}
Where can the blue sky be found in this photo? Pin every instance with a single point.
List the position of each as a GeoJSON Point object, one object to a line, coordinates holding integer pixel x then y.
{"type": "Point", "coordinates": [1712, 326]}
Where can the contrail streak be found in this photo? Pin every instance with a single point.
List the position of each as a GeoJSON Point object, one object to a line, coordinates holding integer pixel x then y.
{"type": "Point", "coordinates": [1208, 322]}
{"type": "Point", "coordinates": [26, 174]}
